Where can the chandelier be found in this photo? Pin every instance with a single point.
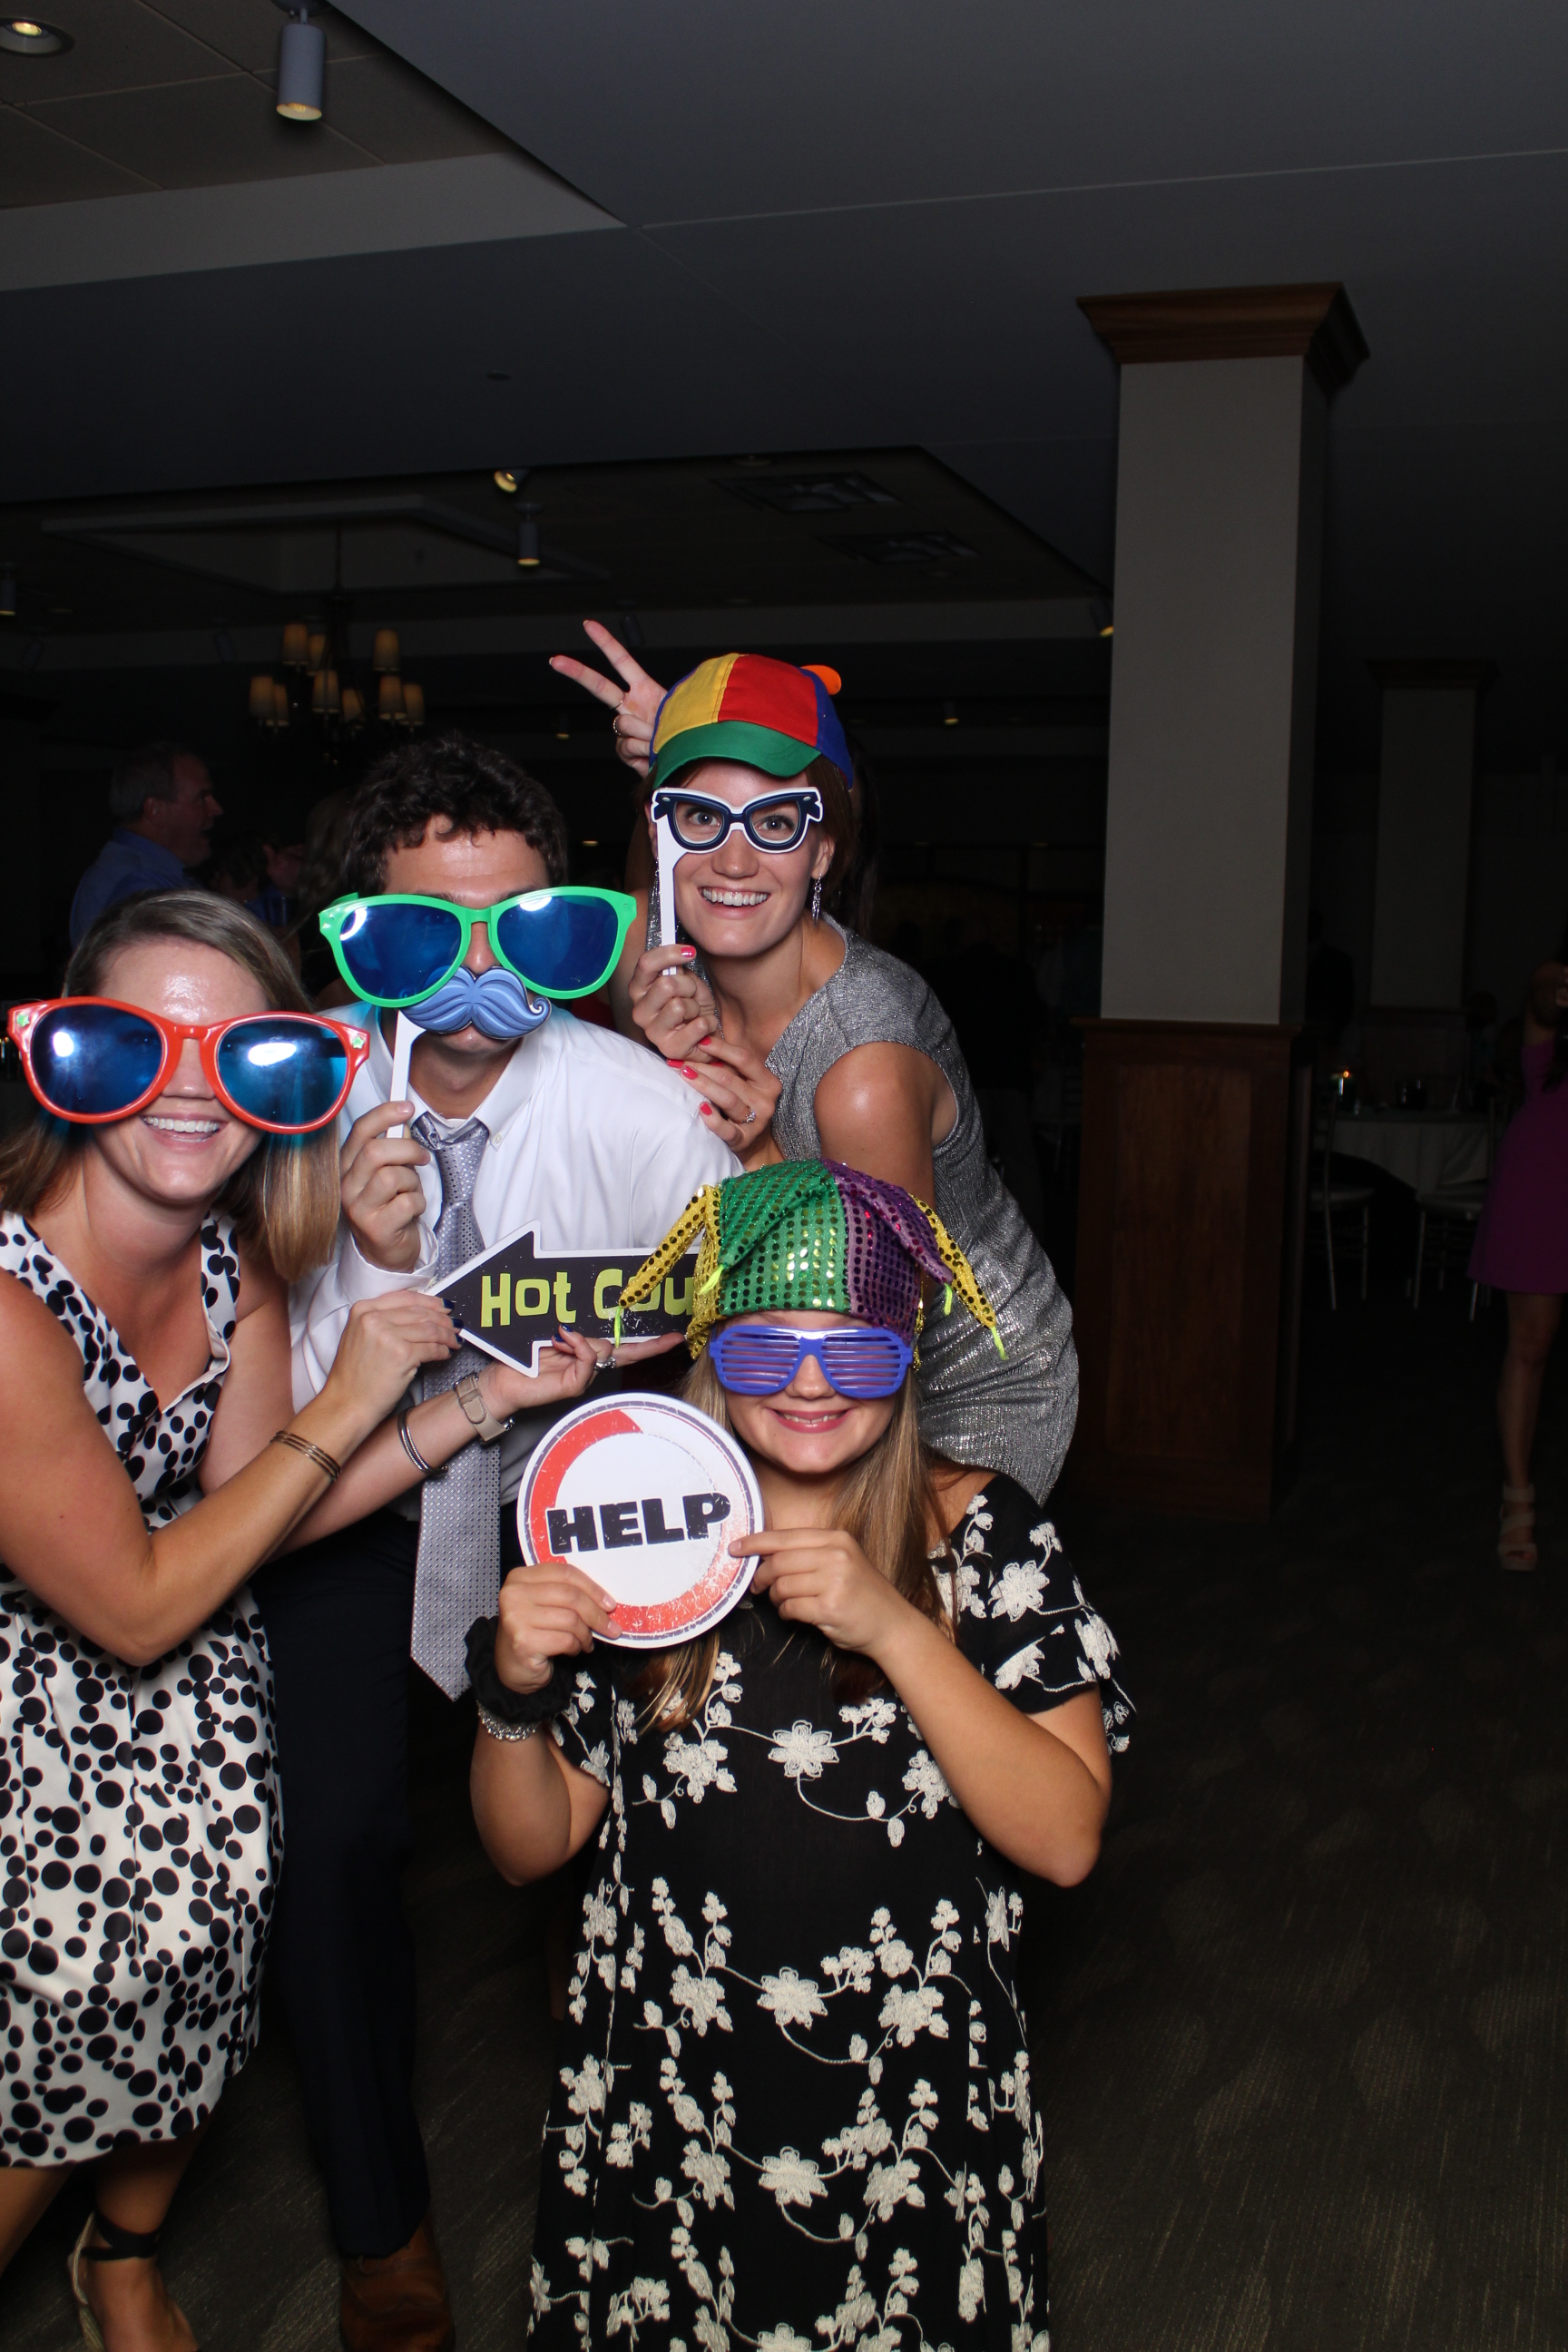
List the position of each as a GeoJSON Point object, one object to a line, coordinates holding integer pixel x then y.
{"type": "Point", "coordinates": [317, 688]}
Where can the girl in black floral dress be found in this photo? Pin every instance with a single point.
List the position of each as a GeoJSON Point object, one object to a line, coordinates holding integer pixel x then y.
{"type": "Point", "coordinates": [793, 2106]}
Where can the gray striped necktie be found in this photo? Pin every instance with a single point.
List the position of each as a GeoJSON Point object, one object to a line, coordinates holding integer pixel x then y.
{"type": "Point", "coordinates": [458, 1574]}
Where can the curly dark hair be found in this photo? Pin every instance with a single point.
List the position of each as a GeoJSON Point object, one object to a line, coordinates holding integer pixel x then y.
{"type": "Point", "coordinates": [474, 789]}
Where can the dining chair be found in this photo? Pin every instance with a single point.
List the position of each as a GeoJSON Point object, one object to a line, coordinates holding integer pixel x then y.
{"type": "Point", "coordinates": [1329, 1198]}
{"type": "Point", "coordinates": [1452, 1212]}
{"type": "Point", "coordinates": [1451, 1217]}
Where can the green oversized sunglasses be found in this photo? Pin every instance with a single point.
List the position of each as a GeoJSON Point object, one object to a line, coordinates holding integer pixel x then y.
{"type": "Point", "coordinates": [394, 951]}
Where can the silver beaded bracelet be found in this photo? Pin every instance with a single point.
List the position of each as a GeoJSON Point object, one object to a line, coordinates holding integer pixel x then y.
{"type": "Point", "coordinates": [499, 1731]}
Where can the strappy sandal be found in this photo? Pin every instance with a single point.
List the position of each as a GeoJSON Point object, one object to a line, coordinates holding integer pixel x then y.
{"type": "Point", "coordinates": [1516, 1529]}
{"type": "Point", "coordinates": [118, 2246]}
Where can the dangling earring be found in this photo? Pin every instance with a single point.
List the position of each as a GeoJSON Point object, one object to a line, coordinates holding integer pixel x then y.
{"type": "Point", "coordinates": [817, 900]}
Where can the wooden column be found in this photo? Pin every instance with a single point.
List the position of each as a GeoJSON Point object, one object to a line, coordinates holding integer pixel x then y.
{"type": "Point", "coordinates": [1192, 1196]}
{"type": "Point", "coordinates": [1193, 1182]}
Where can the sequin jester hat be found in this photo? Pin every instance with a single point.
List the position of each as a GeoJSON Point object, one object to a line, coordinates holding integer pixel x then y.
{"type": "Point", "coordinates": [749, 708]}
{"type": "Point", "coordinates": [812, 1233]}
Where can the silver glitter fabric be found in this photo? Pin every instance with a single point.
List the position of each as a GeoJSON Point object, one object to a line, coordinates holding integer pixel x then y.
{"type": "Point", "coordinates": [457, 1577]}
{"type": "Point", "coordinates": [1015, 1413]}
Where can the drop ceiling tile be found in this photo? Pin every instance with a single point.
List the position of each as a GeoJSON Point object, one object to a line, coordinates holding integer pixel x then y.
{"type": "Point", "coordinates": [382, 104]}
{"type": "Point", "coordinates": [37, 167]}
{"type": "Point", "coordinates": [246, 30]}
{"type": "Point", "coordinates": [118, 45]}
{"type": "Point", "coordinates": [203, 134]}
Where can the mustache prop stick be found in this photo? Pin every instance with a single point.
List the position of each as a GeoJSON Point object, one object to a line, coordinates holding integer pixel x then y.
{"type": "Point", "coordinates": [495, 1002]}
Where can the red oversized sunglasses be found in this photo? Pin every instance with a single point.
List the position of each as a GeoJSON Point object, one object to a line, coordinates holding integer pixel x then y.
{"type": "Point", "coordinates": [89, 1059]}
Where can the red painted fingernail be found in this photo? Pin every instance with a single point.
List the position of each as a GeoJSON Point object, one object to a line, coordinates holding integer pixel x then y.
{"type": "Point", "coordinates": [688, 1072]}
{"type": "Point", "coordinates": [688, 952]}
{"type": "Point", "coordinates": [707, 1106]}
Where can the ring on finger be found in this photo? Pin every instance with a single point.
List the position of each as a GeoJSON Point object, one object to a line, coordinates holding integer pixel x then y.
{"type": "Point", "coordinates": [750, 1116]}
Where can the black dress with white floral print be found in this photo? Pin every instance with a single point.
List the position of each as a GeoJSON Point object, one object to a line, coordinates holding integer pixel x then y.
{"type": "Point", "coordinates": [793, 2106]}
{"type": "Point", "coordinates": [140, 1821]}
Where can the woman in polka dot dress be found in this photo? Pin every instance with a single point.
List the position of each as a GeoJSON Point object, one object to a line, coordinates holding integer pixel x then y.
{"type": "Point", "coordinates": [143, 1372]}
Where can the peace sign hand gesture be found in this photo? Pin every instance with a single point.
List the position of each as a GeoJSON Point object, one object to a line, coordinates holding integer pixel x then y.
{"type": "Point", "coordinates": [634, 701]}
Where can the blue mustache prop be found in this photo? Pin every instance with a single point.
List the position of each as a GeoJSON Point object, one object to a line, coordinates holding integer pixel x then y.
{"type": "Point", "coordinates": [494, 1002]}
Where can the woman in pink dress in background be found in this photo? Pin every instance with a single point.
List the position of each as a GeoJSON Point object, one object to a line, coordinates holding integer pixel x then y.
{"type": "Point", "coordinates": [1521, 1246]}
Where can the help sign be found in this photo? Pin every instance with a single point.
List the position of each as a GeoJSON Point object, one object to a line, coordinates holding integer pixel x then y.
{"type": "Point", "coordinates": [645, 1494]}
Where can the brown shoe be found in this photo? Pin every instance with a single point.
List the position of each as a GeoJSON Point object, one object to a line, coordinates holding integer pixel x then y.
{"type": "Point", "coordinates": [397, 2303]}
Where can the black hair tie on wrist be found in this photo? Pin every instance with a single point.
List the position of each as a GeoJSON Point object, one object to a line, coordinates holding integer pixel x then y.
{"type": "Point", "coordinates": [494, 1696]}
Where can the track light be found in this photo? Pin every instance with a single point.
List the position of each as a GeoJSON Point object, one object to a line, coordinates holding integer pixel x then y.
{"type": "Point", "coordinates": [527, 538]}
{"type": "Point", "coordinates": [301, 67]}
{"type": "Point", "coordinates": [507, 479]}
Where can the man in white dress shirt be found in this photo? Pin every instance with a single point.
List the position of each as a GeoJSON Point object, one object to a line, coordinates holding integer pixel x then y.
{"type": "Point", "coordinates": [559, 1123]}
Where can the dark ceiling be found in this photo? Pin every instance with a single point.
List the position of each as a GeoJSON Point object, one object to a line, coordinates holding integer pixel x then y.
{"type": "Point", "coordinates": [832, 230]}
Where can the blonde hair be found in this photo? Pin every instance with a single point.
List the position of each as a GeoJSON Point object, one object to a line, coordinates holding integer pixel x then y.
{"type": "Point", "coordinates": [284, 1198]}
{"type": "Point", "coordinates": [887, 1502]}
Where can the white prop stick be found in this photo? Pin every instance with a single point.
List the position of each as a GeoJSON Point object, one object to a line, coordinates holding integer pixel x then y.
{"type": "Point", "coordinates": [669, 853]}
{"type": "Point", "coordinates": [402, 1049]}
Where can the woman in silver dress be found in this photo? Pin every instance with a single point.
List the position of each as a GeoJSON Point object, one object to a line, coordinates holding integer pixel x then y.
{"type": "Point", "coordinates": [182, 1169]}
{"type": "Point", "coordinates": [805, 1041]}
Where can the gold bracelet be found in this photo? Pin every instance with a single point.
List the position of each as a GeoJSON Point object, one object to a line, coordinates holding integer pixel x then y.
{"type": "Point", "coordinates": [316, 1453]}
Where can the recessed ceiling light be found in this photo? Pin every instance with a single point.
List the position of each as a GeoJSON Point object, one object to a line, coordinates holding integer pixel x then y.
{"type": "Point", "coordinates": [950, 714]}
{"type": "Point", "coordinates": [26, 37]}
{"type": "Point", "coordinates": [527, 538]}
{"type": "Point", "coordinates": [589, 841]}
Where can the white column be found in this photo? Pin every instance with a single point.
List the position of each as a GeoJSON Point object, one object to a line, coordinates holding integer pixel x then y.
{"type": "Point", "coordinates": [1214, 682]}
{"type": "Point", "coordinates": [1424, 833]}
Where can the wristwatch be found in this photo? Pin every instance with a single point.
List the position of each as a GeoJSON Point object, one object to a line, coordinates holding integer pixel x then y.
{"type": "Point", "coordinates": [486, 1427]}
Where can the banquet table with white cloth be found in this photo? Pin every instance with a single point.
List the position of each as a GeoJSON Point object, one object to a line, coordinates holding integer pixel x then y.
{"type": "Point", "coordinates": [1430, 1150]}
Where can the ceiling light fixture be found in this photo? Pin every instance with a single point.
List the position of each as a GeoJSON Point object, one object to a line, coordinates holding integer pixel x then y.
{"type": "Point", "coordinates": [26, 37]}
{"type": "Point", "coordinates": [386, 654]}
{"type": "Point", "coordinates": [950, 714]}
{"type": "Point", "coordinates": [527, 538]}
{"type": "Point", "coordinates": [8, 595]}
{"type": "Point", "coordinates": [507, 479]}
{"type": "Point", "coordinates": [315, 649]}
{"type": "Point", "coordinates": [1109, 630]}
{"type": "Point", "coordinates": [563, 728]}
{"type": "Point", "coordinates": [301, 66]}
{"type": "Point", "coordinates": [296, 652]}
{"type": "Point", "coordinates": [413, 702]}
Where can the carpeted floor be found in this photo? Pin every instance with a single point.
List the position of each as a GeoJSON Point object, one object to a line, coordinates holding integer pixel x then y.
{"type": "Point", "coordinates": [1301, 2041]}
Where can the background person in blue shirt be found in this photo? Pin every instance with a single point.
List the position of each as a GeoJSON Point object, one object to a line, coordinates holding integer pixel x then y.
{"type": "Point", "coordinates": [164, 808]}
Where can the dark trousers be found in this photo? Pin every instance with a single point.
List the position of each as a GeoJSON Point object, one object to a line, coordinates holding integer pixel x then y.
{"type": "Point", "coordinates": [338, 1615]}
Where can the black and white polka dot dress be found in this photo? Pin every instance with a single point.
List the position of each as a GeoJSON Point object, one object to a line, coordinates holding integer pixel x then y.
{"type": "Point", "coordinates": [140, 1829]}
